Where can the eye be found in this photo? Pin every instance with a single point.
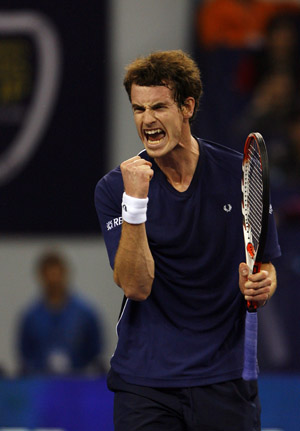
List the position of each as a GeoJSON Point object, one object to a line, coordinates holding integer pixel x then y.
{"type": "Point", "coordinates": [158, 106]}
{"type": "Point", "coordinates": [138, 109]}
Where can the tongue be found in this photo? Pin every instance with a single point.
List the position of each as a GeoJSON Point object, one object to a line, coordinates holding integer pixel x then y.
{"type": "Point", "coordinates": [156, 136]}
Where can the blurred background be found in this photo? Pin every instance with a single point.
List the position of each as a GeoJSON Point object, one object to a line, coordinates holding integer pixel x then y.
{"type": "Point", "coordinates": [65, 121]}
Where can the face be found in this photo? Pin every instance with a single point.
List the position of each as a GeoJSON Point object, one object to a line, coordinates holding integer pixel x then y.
{"type": "Point", "coordinates": [54, 279]}
{"type": "Point", "coordinates": [160, 123]}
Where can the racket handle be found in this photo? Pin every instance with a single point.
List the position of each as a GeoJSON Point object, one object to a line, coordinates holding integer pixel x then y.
{"type": "Point", "coordinates": [250, 371]}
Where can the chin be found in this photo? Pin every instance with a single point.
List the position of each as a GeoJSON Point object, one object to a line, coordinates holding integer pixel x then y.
{"type": "Point", "coordinates": [156, 153]}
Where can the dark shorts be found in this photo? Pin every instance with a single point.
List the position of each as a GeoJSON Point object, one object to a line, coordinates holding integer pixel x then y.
{"type": "Point", "coordinates": [227, 406]}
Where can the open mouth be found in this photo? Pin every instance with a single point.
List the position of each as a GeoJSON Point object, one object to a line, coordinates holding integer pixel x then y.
{"type": "Point", "coordinates": [154, 136]}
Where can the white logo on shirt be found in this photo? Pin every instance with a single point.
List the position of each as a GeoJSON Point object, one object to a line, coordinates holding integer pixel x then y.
{"type": "Point", "coordinates": [227, 208]}
{"type": "Point", "coordinates": [114, 223]}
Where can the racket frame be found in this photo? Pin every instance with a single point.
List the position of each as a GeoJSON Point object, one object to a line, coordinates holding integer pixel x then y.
{"type": "Point", "coordinates": [254, 257]}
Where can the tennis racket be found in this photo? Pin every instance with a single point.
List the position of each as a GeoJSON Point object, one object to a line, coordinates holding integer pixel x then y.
{"type": "Point", "coordinates": [255, 210]}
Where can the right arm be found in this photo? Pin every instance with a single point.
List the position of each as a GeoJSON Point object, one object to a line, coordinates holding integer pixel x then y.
{"type": "Point", "coordinates": [134, 264]}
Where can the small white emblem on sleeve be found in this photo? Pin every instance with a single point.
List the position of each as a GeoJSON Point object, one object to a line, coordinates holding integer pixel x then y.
{"type": "Point", "coordinates": [109, 225]}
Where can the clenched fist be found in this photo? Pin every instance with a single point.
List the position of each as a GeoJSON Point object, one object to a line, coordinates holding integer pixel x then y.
{"type": "Point", "coordinates": [254, 287]}
{"type": "Point", "coordinates": [136, 173]}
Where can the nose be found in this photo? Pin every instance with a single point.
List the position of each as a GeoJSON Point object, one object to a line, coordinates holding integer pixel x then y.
{"type": "Point", "coordinates": [149, 116]}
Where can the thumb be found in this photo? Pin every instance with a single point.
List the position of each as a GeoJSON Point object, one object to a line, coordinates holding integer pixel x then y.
{"type": "Point", "coordinates": [244, 270]}
{"type": "Point", "coordinates": [243, 274]}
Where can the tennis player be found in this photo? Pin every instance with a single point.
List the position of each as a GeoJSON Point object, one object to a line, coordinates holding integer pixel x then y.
{"type": "Point", "coordinates": [171, 220]}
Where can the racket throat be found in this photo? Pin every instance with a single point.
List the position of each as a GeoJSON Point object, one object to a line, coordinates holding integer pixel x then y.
{"type": "Point", "coordinates": [251, 307]}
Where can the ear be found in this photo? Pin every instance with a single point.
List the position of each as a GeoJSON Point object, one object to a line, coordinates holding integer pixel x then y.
{"type": "Point", "coordinates": [188, 107]}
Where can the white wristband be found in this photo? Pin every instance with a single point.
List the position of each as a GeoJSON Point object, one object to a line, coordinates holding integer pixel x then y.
{"type": "Point", "coordinates": [134, 210]}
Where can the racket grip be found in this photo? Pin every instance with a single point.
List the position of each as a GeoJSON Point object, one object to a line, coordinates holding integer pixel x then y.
{"type": "Point", "coordinates": [250, 371]}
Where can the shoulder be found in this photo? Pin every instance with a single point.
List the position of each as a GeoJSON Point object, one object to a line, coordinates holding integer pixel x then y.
{"type": "Point", "coordinates": [220, 152]}
{"type": "Point", "coordinates": [35, 310]}
{"type": "Point", "coordinates": [112, 181]}
{"type": "Point", "coordinates": [226, 159]}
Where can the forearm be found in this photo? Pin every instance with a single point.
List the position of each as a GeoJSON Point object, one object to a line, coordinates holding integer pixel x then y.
{"type": "Point", "coordinates": [134, 264]}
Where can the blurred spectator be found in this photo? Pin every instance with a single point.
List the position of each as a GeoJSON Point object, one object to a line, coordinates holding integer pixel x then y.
{"type": "Point", "coordinates": [237, 23]}
{"type": "Point", "coordinates": [269, 111]}
{"type": "Point", "coordinates": [278, 53]}
{"type": "Point", "coordinates": [238, 43]}
{"type": "Point", "coordinates": [275, 92]}
{"type": "Point", "coordinates": [59, 333]}
{"type": "Point", "coordinates": [292, 166]}
{"type": "Point", "coordinates": [286, 165]}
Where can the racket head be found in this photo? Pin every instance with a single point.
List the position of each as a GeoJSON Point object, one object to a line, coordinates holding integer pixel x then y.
{"type": "Point", "coordinates": [255, 199]}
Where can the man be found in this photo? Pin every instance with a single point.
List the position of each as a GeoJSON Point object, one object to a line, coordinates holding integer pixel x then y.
{"type": "Point", "coordinates": [59, 333]}
{"type": "Point", "coordinates": [179, 258]}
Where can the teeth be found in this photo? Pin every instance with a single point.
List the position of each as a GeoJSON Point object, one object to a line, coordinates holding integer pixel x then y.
{"type": "Point", "coordinates": [155, 142]}
{"type": "Point", "coordinates": [152, 132]}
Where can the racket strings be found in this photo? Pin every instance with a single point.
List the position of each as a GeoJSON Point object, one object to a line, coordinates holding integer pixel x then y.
{"type": "Point", "coordinates": [253, 194]}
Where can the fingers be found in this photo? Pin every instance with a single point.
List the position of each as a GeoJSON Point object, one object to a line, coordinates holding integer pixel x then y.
{"type": "Point", "coordinates": [137, 173]}
{"type": "Point", "coordinates": [259, 276]}
{"type": "Point", "coordinates": [136, 160]}
{"type": "Point", "coordinates": [254, 287]}
{"type": "Point", "coordinates": [257, 295]}
{"type": "Point", "coordinates": [258, 287]}
{"type": "Point", "coordinates": [147, 170]}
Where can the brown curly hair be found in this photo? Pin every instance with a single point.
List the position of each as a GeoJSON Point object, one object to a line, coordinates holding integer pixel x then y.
{"type": "Point", "coordinates": [174, 69]}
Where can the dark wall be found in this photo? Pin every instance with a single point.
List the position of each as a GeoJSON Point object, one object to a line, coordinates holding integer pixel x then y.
{"type": "Point", "coordinates": [51, 189]}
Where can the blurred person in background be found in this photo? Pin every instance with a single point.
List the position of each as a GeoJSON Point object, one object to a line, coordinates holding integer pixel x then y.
{"type": "Point", "coordinates": [273, 88]}
{"type": "Point", "coordinates": [59, 333]}
{"type": "Point", "coordinates": [237, 23]}
{"type": "Point", "coordinates": [269, 111]}
{"type": "Point", "coordinates": [286, 174]}
{"type": "Point", "coordinates": [237, 43]}
{"type": "Point", "coordinates": [280, 51]}
{"type": "Point", "coordinates": [293, 165]}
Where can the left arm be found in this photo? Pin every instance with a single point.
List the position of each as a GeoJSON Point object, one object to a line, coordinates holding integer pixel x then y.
{"type": "Point", "coordinates": [258, 287]}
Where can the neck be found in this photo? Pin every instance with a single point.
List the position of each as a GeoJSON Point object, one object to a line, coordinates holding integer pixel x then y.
{"type": "Point", "coordinates": [56, 300]}
{"type": "Point", "coordinates": [180, 164]}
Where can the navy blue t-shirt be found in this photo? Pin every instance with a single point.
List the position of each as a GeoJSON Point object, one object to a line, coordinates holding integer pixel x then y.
{"type": "Point", "coordinates": [190, 330]}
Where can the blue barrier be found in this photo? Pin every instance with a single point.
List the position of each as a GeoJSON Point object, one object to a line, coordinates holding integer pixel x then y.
{"type": "Point", "coordinates": [75, 404]}
{"type": "Point", "coordinates": [280, 399]}
{"type": "Point", "coordinates": [64, 404]}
